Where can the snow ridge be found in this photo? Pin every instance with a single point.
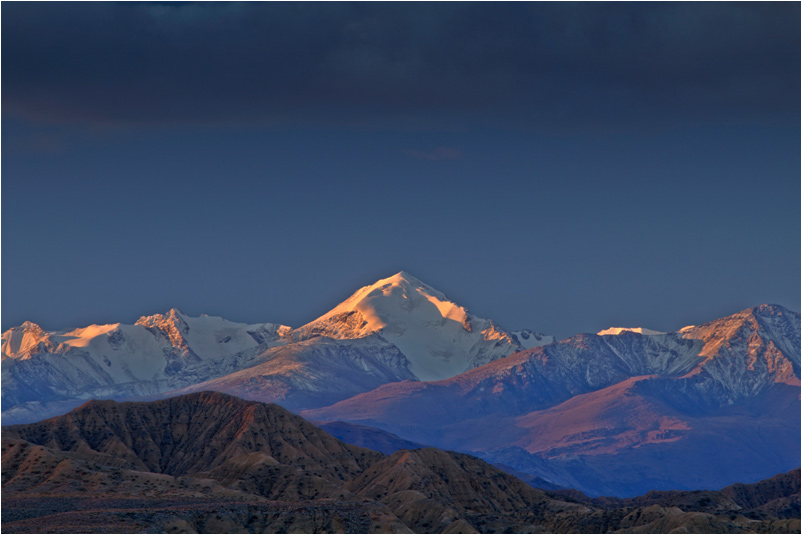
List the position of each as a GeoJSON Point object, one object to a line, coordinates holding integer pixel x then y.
{"type": "Point", "coordinates": [619, 330]}
{"type": "Point", "coordinates": [158, 353]}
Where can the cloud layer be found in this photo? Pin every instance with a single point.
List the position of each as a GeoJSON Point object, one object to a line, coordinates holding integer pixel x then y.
{"type": "Point", "coordinates": [398, 65]}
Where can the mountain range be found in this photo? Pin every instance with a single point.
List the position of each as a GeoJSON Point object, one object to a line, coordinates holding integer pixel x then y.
{"type": "Point", "coordinates": [399, 365]}
{"type": "Point", "coordinates": [213, 463]}
{"type": "Point", "coordinates": [396, 329]}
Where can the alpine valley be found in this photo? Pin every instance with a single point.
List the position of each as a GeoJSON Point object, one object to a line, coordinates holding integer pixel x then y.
{"type": "Point", "coordinates": [396, 371]}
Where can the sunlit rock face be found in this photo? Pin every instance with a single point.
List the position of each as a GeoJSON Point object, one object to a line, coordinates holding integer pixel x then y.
{"type": "Point", "coordinates": [746, 352]}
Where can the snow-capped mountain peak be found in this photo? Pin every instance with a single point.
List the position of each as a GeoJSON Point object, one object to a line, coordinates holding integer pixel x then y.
{"type": "Point", "coordinates": [29, 338]}
{"type": "Point", "coordinates": [751, 349]}
{"type": "Point", "coordinates": [439, 337]}
{"type": "Point", "coordinates": [19, 341]}
{"type": "Point", "coordinates": [389, 302]}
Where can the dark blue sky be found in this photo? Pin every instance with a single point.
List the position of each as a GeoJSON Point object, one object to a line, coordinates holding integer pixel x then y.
{"type": "Point", "coordinates": [561, 167]}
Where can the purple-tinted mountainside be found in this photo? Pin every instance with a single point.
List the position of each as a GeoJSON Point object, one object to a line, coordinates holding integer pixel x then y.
{"type": "Point", "coordinates": [617, 414]}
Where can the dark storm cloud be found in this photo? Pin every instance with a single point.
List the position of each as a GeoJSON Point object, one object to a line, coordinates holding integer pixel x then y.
{"type": "Point", "coordinates": [397, 63]}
